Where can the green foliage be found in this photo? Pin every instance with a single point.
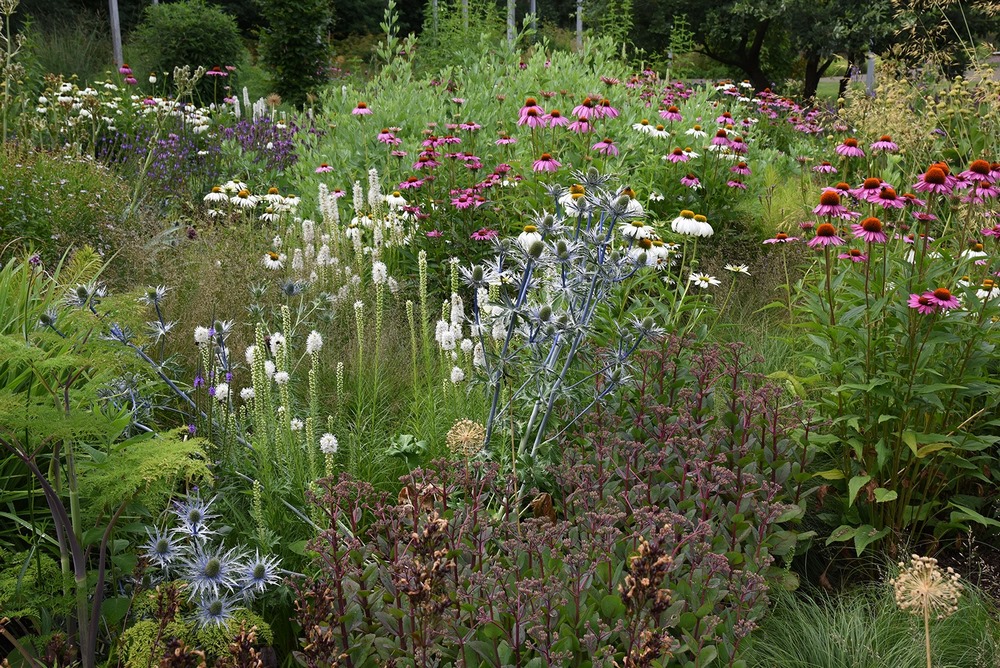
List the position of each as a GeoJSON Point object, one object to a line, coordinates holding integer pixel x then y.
{"type": "Point", "coordinates": [865, 629]}
{"type": "Point", "coordinates": [146, 468]}
{"type": "Point", "coordinates": [137, 641]}
{"type": "Point", "coordinates": [53, 202]}
{"type": "Point", "coordinates": [293, 45]}
{"type": "Point", "coordinates": [30, 582]}
{"type": "Point", "coordinates": [190, 33]}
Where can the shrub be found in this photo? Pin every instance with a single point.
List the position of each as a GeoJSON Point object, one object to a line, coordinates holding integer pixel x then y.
{"type": "Point", "coordinates": [190, 33]}
{"type": "Point", "coordinates": [293, 47]}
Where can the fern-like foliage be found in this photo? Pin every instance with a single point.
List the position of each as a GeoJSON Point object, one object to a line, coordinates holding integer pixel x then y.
{"type": "Point", "coordinates": [146, 468]}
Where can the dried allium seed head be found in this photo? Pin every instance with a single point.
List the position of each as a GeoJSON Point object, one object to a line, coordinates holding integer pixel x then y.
{"type": "Point", "coordinates": [922, 587]}
{"type": "Point", "coordinates": [465, 438]}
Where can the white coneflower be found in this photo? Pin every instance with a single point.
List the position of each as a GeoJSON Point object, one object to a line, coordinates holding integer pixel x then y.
{"type": "Point", "coordinates": [244, 199]}
{"type": "Point", "coordinates": [738, 268]}
{"type": "Point", "coordinates": [314, 342]}
{"type": "Point", "coordinates": [457, 375]}
{"type": "Point", "coordinates": [201, 335]}
{"type": "Point", "coordinates": [217, 195]}
{"type": "Point", "coordinates": [696, 132]}
{"type": "Point", "coordinates": [328, 444]}
{"type": "Point", "coordinates": [703, 280]}
{"type": "Point", "coordinates": [222, 392]}
{"type": "Point", "coordinates": [281, 377]}
{"type": "Point", "coordinates": [528, 236]}
{"type": "Point", "coordinates": [273, 260]}
{"type": "Point", "coordinates": [247, 393]}
{"type": "Point", "coordinates": [295, 424]}
{"type": "Point", "coordinates": [690, 224]}
{"type": "Point", "coordinates": [636, 229]}
{"type": "Point", "coordinates": [395, 200]}
{"type": "Point", "coordinates": [277, 340]}
{"type": "Point", "coordinates": [380, 273]}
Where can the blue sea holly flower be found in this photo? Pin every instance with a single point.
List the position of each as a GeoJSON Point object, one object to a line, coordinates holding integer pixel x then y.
{"type": "Point", "coordinates": [161, 548]}
{"type": "Point", "coordinates": [260, 573]}
{"type": "Point", "coordinates": [194, 515]}
{"type": "Point", "coordinates": [214, 610]}
{"type": "Point", "coordinates": [212, 572]}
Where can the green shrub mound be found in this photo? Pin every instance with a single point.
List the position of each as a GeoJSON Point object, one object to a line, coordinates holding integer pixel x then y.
{"type": "Point", "coordinates": [189, 33]}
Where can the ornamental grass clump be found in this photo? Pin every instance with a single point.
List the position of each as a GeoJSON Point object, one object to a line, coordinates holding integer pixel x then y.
{"type": "Point", "coordinates": [924, 589]}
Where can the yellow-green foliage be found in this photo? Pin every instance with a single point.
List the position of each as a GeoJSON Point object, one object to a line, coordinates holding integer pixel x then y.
{"type": "Point", "coordinates": [26, 588]}
{"type": "Point", "coordinates": [146, 467]}
{"type": "Point", "coordinates": [137, 641]}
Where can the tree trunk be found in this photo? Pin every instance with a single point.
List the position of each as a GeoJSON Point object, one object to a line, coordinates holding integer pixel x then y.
{"type": "Point", "coordinates": [811, 83]}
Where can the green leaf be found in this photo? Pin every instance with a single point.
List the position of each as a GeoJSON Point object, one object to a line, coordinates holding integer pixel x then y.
{"type": "Point", "coordinates": [707, 655]}
{"type": "Point", "coordinates": [910, 438]}
{"type": "Point", "coordinates": [612, 606]}
{"type": "Point", "coordinates": [832, 474]}
{"type": "Point", "coordinates": [967, 513]}
{"type": "Point", "coordinates": [883, 495]}
{"type": "Point", "coordinates": [842, 533]}
{"type": "Point", "coordinates": [114, 609]}
{"type": "Point", "coordinates": [930, 448]}
{"type": "Point", "coordinates": [854, 486]}
{"type": "Point", "coordinates": [866, 535]}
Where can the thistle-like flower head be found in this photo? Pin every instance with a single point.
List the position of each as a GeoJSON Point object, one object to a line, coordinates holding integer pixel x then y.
{"type": "Point", "coordinates": [922, 587]}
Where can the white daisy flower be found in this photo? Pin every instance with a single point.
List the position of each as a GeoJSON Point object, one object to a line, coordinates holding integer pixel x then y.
{"type": "Point", "coordinates": [703, 280]}
{"type": "Point", "coordinates": [738, 268]}
{"type": "Point", "coordinates": [274, 260]}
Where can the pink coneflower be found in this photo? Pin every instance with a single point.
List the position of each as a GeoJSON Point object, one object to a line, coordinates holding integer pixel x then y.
{"type": "Point", "coordinates": [982, 191]}
{"type": "Point", "coordinates": [780, 238]}
{"type": "Point", "coordinates": [450, 139]}
{"type": "Point", "coordinates": [978, 171]}
{"type": "Point", "coordinates": [690, 181]}
{"type": "Point", "coordinates": [934, 180]}
{"type": "Point", "coordinates": [672, 114]}
{"type": "Point", "coordinates": [885, 144]}
{"type": "Point", "coordinates": [942, 299]}
{"type": "Point", "coordinates": [411, 182]}
{"type": "Point", "coordinates": [361, 110]}
{"type": "Point", "coordinates": [854, 255]}
{"type": "Point", "coordinates": [725, 119]}
{"type": "Point", "coordinates": [131, 80]}
{"type": "Point", "coordinates": [605, 147]}
{"type": "Point", "coordinates": [530, 104]}
{"type": "Point", "coordinates": [398, 154]}
{"type": "Point", "coordinates": [922, 303]}
{"type": "Point", "coordinates": [324, 168]}
{"type": "Point", "coordinates": [870, 230]}
{"type": "Point", "coordinates": [505, 139]}
{"type": "Point", "coordinates": [825, 168]}
{"type": "Point", "coordinates": [338, 193]}
{"type": "Point", "coordinates": [888, 199]}
{"type": "Point", "coordinates": [869, 189]}
{"type": "Point", "coordinates": [913, 200]}
{"type": "Point", "coordinates": [736, 183]}
{"type": "Point", "coordinates": [484, 234]}
{"type": "Point", "coordinates": [677, 155]}
{"type": "Point", "coordinates": [434, 234]}
{"type": "Point", "coordinates": [581, 125]}
{"type": "Point", "coordinates": [216, 72]}
{"type": "Point", "coordinates": [469, 126]}
{"type": "Point", "coordinates": [721, 138]}
{"type": "Point", "coordinates": [586, 109]}
{"type": "Point", "coordinates": [388, 138]}
{"type": "Point", "coordinates": [463, 201]}
{"type": "Point", "coordinates": [992, 231]}
{"type": "Point", "coordinates": [125, 70]}
{"type": "Point", "coordinates": [555, 119]}
{"type": "Point", "coordinates": [546, 163]}
{"type": "Point", "coordinates": [533, 118]}
{"type": "Point", "coordinates": [425, 161]}
{"type": "Point", "coordinates": [849, 149]}
{"type": "Point", "coordinates": [740, 168]}
{"type": "Point", "coordinates": [605, 110]}
{"type": "Point", "coordinates": [829, 205]}
{"type": "Point", "coordinates": [826, 235]}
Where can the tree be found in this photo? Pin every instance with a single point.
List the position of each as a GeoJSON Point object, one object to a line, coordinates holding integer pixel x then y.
{"type": "Point", "coordinates": [293, 45]}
